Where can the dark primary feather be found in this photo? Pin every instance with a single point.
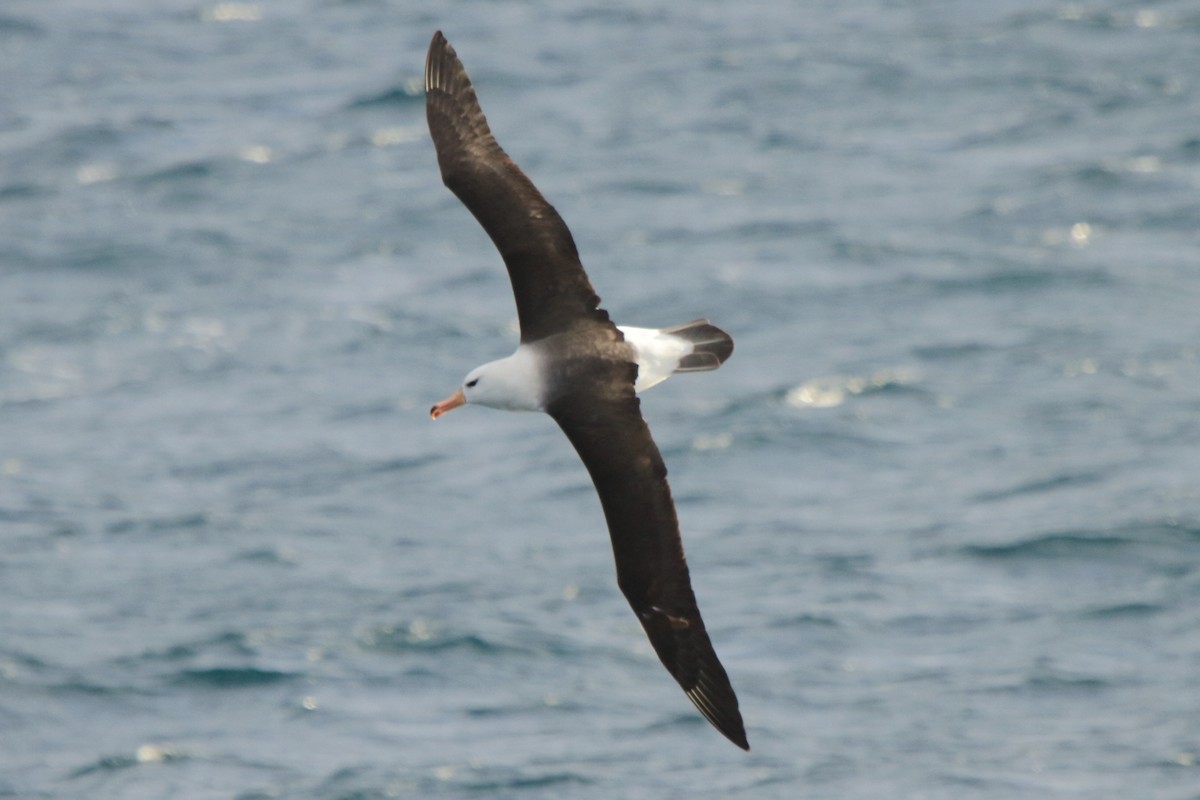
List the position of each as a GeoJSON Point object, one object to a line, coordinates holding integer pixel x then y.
{"type": "Point", "coordinates": [551, 289]}
{"type": "Point", "coordinates": [601, 417]}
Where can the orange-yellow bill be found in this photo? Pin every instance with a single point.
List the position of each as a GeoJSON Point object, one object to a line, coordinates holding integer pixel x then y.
{"type": "Point", "coordinates": [449, 404]}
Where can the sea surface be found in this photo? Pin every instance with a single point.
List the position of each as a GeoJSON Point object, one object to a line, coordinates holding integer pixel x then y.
{"type": "Point", "coordinates": [941, 508]}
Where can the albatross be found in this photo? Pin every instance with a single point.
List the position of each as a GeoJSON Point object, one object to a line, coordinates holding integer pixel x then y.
{"type": "Point", "coordinates": [584, 371]}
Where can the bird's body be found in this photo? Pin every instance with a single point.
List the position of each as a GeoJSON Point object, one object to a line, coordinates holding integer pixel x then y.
{"type": "Point", "coordinates": [523, 380]}
{"type": "Point", "coordinates": [574, 364]}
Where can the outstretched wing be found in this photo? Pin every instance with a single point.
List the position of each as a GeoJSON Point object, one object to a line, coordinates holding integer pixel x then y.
{"type": "Point", "coordinates": [551, 289]}
{"type": "Point", "coordinates": [601, 417]}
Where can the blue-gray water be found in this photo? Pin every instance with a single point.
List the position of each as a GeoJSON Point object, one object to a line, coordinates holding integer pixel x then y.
{"type": "Point", "coordinates": [942, 507]}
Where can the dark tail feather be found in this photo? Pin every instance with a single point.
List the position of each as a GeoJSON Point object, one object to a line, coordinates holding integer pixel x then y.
{"type": "Point", "coordinates": [712, 344]}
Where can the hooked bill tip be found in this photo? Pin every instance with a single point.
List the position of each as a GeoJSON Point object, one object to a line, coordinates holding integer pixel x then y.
{"type": "Point", "coordinates": [449, 404]}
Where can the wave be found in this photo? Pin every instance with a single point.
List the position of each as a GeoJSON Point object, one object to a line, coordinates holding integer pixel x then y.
{"type": "Point", "coordinates": [1063, 481]}
{"type": "Point", "coordinates": [1162, 535]}
{"type": "Point", "coordinates": [230, 677]}
{"type": "Point", "coordinates": [404, 94]}
{"type": "Point", "coordinates": [1052, 545]}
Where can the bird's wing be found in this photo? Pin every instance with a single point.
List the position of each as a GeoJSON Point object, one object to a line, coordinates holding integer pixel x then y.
{"type": "Point", "coordinates": [602, 419]}
{"type": "Point", "coordinates": [551, 289]}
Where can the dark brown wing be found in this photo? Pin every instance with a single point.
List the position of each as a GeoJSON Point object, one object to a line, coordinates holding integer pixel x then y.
{"type": "Point", "coordinates": [549, 284]}
{"type": "Point", "coordinates": [601, 417]}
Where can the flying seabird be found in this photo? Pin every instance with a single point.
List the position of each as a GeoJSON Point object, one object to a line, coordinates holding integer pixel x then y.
{"type": "Point", "coordinates": [577, 366]}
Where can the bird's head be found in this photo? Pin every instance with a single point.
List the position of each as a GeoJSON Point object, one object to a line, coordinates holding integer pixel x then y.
{"type": "Point", "coordinates": [507, 383]}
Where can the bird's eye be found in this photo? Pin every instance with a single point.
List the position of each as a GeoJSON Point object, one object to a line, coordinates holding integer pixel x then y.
{"type": "Point", "coordinates": [471, 383]}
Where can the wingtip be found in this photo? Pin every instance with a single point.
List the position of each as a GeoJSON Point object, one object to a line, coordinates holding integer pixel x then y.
{"type": "Point", "coordinates": [735, 733]}
{"type": "Point", "coordinates": [722, 715]}
{"type": "Point", "coordinates": [439, 49]}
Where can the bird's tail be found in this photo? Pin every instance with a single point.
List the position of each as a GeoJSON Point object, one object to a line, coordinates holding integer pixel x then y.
{"type": "Point", "coordinates": [711, 345]}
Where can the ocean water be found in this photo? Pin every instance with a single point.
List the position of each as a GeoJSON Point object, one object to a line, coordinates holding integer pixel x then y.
{"type": "Point", "coordinates": [942, 507]}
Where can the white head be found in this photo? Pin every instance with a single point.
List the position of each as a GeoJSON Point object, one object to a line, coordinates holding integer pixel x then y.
{"type": "Point", "coordinates": [513, 384]}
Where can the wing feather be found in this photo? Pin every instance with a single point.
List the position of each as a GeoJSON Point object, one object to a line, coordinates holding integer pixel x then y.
{"type": "Point", "coordinates": [604, 423]}
{"type": "Point", "coordinates": [549, 284]}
